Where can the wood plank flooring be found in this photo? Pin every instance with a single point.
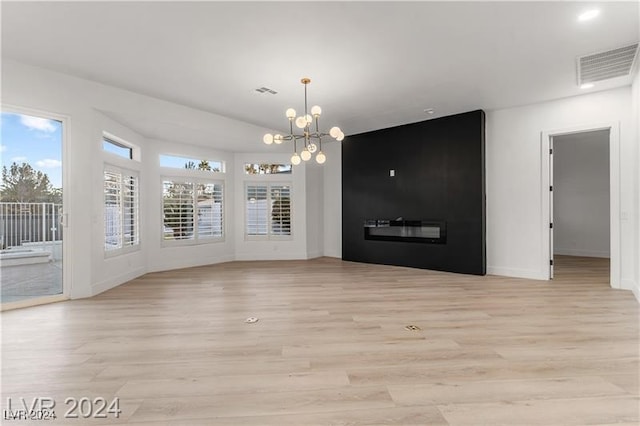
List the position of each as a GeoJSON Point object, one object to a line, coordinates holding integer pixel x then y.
{"type": "Point", "coordinates": [330, 347]}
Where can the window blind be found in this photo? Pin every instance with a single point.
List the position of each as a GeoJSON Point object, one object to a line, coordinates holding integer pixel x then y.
{"type": "Point", "coordinates": [121, 194]}
{"type": "Point", "coordinates": [280, 210]}
{"type": "Point", "coordinates": [177, 209]}
{"type": "Point", "coordinates": [209, 209]}
{"type": "Point", "coordinates": [256, 210]}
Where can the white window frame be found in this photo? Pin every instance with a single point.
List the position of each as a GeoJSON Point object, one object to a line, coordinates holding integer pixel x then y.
{"type": "Point", "coordinates": [223, 165]}
{"type": "Point", "coordinates": [136, 153]}
{"type": "Point", "coordinates": [269, 235]}
{"type": "Point", "coordinates": [193, 179]}
{"type": "Point", "coordinates": [68, 241]}
{"type": "Point", "coordinates": [123, 247]}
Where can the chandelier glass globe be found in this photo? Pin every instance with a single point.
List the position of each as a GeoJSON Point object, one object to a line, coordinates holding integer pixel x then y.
{"type": "Point", "coordinates": [310, 137]}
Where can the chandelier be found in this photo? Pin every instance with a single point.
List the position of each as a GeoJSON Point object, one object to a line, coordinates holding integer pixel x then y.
{"type": "Point", "coordinates": [312, 139]}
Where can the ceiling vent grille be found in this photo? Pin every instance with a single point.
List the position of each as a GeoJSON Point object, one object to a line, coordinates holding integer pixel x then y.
{"type": "Point", "coordinates": [266, 90]}
{"type": "Point", "coordinates": [605, 65]}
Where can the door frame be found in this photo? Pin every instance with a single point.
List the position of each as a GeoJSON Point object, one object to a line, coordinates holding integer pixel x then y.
{"type": "Point", "coordinates": [614, 195]}
{"type": "Point", "coordinates": [67, 281]}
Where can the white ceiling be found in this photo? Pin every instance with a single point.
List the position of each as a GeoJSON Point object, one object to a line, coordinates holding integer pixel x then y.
{"type": "Point", "coordinates": [372, 64]}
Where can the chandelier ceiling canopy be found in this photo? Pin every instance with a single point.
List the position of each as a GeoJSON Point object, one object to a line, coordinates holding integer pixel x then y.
{"type": "Point", "coordinates": [310, 136]}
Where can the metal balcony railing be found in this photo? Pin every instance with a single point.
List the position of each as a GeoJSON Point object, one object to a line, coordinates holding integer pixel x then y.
{"type": "Point", "coordinates": [29, 223]}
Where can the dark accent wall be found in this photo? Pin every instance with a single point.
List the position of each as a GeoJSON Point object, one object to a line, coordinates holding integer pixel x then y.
{"type": "Point", "coordinates": [439, 176]}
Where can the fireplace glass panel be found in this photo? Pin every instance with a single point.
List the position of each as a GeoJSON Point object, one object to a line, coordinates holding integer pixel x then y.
{"type": "Point", "coordinates": [421, 231]}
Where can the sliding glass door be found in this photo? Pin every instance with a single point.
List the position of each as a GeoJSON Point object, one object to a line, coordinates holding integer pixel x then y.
{"type": "Point", "coordinates": [31, 209]}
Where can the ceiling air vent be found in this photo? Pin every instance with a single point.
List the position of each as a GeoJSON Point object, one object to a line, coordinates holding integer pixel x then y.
{"type": "Point", "coordinates": [604, 65]}
{"type": "Point", "coordinates": [266, 90]}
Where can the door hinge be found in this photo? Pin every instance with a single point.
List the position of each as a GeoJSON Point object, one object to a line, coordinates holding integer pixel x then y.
{"type": "Point", "coordinates": [551, 226]}
{"type": "Point", "coordinates": [551, 262]}
{"type": "Point", "coordinates": [551, 188]}
{"type": "Point", "coordinates": [550, 150]}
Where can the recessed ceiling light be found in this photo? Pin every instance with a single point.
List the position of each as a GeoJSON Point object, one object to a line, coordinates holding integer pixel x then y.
{"type": "Point", "coordinates": [588, 15]}
{"type": "Point", "coordinates": [587, 86]}
{"type": "Point", "coordinates": [429, 111]}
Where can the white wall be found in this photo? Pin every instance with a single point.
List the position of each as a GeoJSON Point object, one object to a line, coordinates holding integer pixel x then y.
{"type": "Point", "coordinates": [80, 102]}
{"type": "Point", "coordinates": [314, 194]}
{"type": "Point", "coordinates": [514, 178]}
{"type": "Point", "coordinates": [635, 111]}
{"type": "Point", "coordinates": [514, 243]}
{"type": "Point", "coordinates": [296, 246]}
{"type": "Point", "coordinates": [37, 89]}
{"type": "Point", "coordinates": [108, 272]}
{"type": "Point", "coordinates": [162, 255]}
{"type": "Point", "coordinates": [581, 194]}
{"type": "Point", "coordinates": [332, 203]}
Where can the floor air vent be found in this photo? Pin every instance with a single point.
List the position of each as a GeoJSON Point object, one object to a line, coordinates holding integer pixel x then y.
{"type": "Point", "coordinates": [604, 65]}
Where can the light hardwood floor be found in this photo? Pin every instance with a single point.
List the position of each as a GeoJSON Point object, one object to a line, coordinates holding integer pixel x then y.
{"type": "Point", "coordinates": [330, 347]}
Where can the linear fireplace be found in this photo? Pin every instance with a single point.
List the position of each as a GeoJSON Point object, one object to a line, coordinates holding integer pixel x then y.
{"type": "Point", "coordinates": [415, 231]}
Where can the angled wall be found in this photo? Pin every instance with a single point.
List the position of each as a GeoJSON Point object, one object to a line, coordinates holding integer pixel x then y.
{"type": "Point", "coordinates": [438, 176]}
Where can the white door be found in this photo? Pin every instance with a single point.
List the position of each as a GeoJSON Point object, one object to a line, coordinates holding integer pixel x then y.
{"type": "Point", "coordinates": [551, 207]}
{"type": "Point", "coordinates": [31, 209]}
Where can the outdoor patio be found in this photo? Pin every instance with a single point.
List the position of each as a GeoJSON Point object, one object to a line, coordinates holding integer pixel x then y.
{"type": "Point", "coordinates": [22, 282]}
{"type": "Point", "coordinates": [31, 255]}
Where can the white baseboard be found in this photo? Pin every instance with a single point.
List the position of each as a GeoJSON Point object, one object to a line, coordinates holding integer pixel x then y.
{"type": "Point", "coordinates": [632, 286]}
{"type": "Point", "coordinates": [333, 253]}
{"type": "Point", "coordinates": [580, 252]}
{"type": "Point", "coordinates": [516, 273]}
{"type": "Point", "coordinates": [313, 254]}
{"type": "Point", "coordinates": [115, 281]}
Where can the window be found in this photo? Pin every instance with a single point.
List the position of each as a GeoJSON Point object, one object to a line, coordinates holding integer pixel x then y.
{"type": "Point", "coordinates": [266, 169]}
{"type": "Point", "coordinates": [192, 210]}
{"type": "Point", "coordinates": [268, 211]}
{"type": "Point", "coordinates": [120, 209]}
{"type": "Point", "coordinates": [209, 210]}
{"type": "Point", "coordinates": [280, 210]}
{"type": "Point", "coordinates": [257, 210]}
{"type": "Point", "coordinates": [175, 162]}
{"type": "Point", "coordinates": [117, 148]}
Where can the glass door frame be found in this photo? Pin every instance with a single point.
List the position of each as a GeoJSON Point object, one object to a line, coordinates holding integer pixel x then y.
{"type": "Point", "coordinates": [64, 221]}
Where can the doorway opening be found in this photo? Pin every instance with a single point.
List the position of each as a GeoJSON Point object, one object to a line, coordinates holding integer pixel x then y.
{"type": "Point", "coordinates": [32, 226]}
{"type": "Point", "coordinates": [581, 203]}
{"type": "Point", "coordinates": [580, 200]}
